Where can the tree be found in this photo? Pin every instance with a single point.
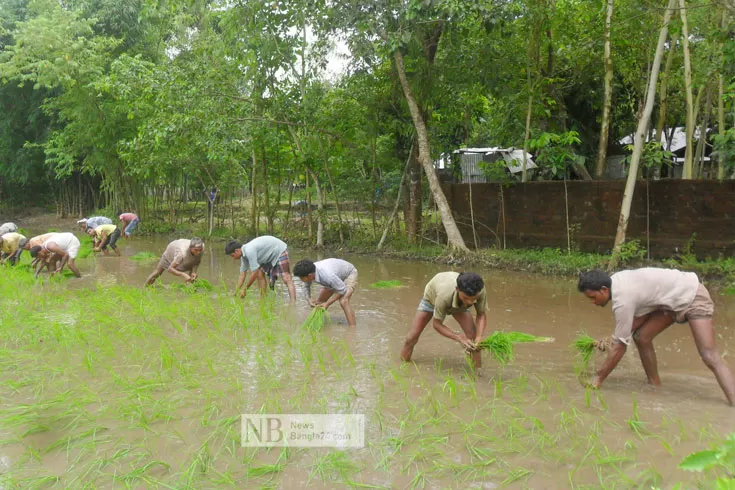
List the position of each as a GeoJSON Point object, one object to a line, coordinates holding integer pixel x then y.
{"type": "Point", "coordinates": [640, 137]}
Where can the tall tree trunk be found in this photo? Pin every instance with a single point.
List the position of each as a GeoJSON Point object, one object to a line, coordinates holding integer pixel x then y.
{"type": "Point", "coordinates": [454, 237]}
{"type": "Point", "coordinates": [663, 89]}
{"type": "Point", "coordinates": [690, 121]}
{"type": "Point", "coordinates": [527, 134]}
{"type": "Point", "coordinates": [336, 199]}
{"type": "Point", "coordinates": [320, 209]}
{"type": "Point", "coordinates": [267, 201]}
{"type": "Point", "coordinates": [415, 196]}
{"type": "Point", "coordinates": [398, 199]}
{"type": "Point", "coordinates": [640, 138]}
{"type": "Point", "coordinates": [607, 102]}
{"type": "Point", "coordinates": [702, 142]}
{"type": "Point", "coordinates": [721, 122]}
{"type": "Point", "coordinates": [254, 197]}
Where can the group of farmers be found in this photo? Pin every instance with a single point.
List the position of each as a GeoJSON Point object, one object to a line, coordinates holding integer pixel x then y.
{"type": "Point", "coordinates": [644, 301]}
{"type": "Point", "coordinates": [55, 251]}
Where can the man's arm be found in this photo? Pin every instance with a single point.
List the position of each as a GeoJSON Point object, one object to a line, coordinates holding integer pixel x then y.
{"type": "Point", "coordinates": [480, 325]}
{"type": "Point", "coordinates": [39, 265]}
{"type": "Point", "coordinates": [172, 269]}
{"type": "Point", "coordinates": [616, 352]}
{"type": "Point", "coordinates": [53, 248]}
{"type": "Point", "coordinates": [99, 241]}
{"type": "Point", "coordinates": [448, 333]}
{"type": "Point", "coordinates": [194, 274]}
{"type": "Point", "coordinates": [240, 282]}
{"type": "Point", "coordinates": [253, 276]}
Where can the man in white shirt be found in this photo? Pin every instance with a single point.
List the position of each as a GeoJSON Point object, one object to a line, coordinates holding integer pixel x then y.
{"type": "Point", "coordinates": [62, 245]}
{"type": "Point", "coordinates": [647, 301]}
{"type": "Point", "coordinates": [338, 279]}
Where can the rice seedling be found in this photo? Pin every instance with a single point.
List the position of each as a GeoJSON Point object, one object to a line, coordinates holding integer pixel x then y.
{"type": "Point", "coordinates": [584, 346]}
{"type": "Point", "coordinates": [500, 344]}
{"type": "Point", "coordinates": [393, 283]}
{"type": "Point", "coordinates": [144, 256]}
{"type": "Point", "coordinates": [316, 319]}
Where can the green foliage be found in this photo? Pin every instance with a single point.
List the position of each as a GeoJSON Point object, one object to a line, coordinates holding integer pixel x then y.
{"type": "Point", "coordinates": [555, 153]}
{"type": "Point", "coordinates": [653, 156]}
{"type": "Point", "coordinates": [719, 461]}
{"type": "Point", "coordinates": [631, 251]}
{"type": "Point", "coordinates": [724, 149]}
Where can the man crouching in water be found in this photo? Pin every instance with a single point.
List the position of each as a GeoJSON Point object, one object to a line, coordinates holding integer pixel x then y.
{"type": "Point", "coordinates": [451, 293]}
{"type": "Point", "coordinates": [646, 302]}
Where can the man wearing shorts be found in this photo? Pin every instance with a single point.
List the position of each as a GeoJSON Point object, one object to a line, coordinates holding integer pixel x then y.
{"type": "Point", "coordinates": [60, 246]}
{"type": "Point", "coordinates": [11, 247]}
{"type": "Point", "coordinates": [265, 255]}
{"type": "Point", "coordinates": [451, 293]}
{"type": "Point", "coordinates": [181, 258]}
{"type": "Point", "coordinates": [129, 222]}
{"type": "Point", "coordinates": [646, 302]}
{"type": "Point", "coordinates": [338, 279]}
{"type": "Point", "coordinates": [104, 236]}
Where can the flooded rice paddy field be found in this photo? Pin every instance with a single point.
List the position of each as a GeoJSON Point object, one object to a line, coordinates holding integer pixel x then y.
{"type": "Point", "coordinates": [105, 384]}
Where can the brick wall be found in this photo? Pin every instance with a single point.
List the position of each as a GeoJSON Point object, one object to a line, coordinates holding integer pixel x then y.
{"type": "Point", "coordinates": [671, 211]}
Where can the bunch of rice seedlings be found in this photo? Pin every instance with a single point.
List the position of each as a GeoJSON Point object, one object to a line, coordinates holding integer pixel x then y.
{"type": "Point", "coordinates": [393, 283]}
{"type": "Point", "coordinates": [193, 287]}
{"type": "Point", "coordinates": [500, 344]}
{"type": "Point", "coordinates": [585, 346]}
{"type": "Point", "coordinates": [144, 256]}
{"type": "Point", "coordinates": [85, 250]}
{"type": "Point", "coordinates": [316, 319]}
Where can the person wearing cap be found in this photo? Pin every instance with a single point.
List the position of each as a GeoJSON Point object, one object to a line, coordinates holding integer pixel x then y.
{"type": "Point", "coordinates": [103, 236]}
{"type": "Point", "coordinates": [11, 247]}
{"type": "Point", "coordinates": [181, 258]}
{"type": "Point", "coordinates": [65, 246]}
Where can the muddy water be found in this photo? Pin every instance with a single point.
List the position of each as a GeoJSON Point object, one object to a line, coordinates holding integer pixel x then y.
{"type": "Point", "coordinates": [523, 302]}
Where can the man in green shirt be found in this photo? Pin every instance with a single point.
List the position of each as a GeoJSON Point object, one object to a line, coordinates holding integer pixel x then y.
{"type": "Point", "coordinates": [451, 293]}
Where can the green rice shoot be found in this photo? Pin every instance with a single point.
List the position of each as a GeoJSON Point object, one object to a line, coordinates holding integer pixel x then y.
{"type": "Point", "coordinates": [585, 346]}
{"type": "Point", "coordinates": [500, 344]}
{"type": "Point", "coordinates": [316, 319]}
{"type": "Point", "coordinates": [194, 287]}
{"type": "Point", "coordinates": [86, 248]}
{"type": "Point", "coordinates": [144, 256]}
{"type": "Point", "coordinates": [393, 283]}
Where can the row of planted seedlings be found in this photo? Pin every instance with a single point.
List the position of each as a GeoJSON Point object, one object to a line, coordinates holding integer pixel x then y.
{"type": "Point", "coordinates": [123, 387]}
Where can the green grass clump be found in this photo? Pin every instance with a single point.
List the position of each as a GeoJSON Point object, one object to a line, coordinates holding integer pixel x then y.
{"type": "Point", "coordinates": [144, 256]}
{"type": "Point", "coordinates": [194, 287]}
{"type": "Point", "coordinates": [86, 249]}
{"type": "Point", "coordinates": [393, 283]}
{"type": "Point", "coordinates": [585, 346]}
{"type": "Point", "coordinates": [500, 344]}
{"type": "Point", "coordinates": [316, 319]}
